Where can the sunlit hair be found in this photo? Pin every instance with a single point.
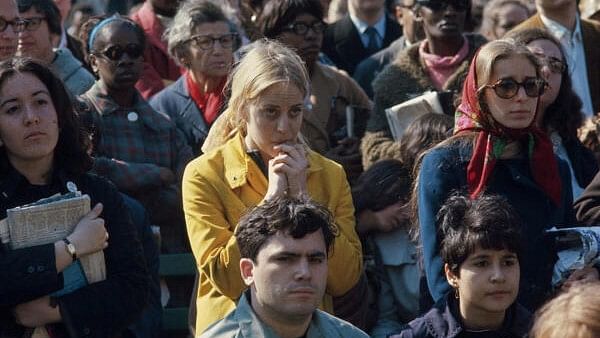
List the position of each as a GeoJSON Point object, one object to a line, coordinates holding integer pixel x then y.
{"type": "Point", "coordinates": [295, 217]}
{"type": "Point", "coordinates": [265, 63]}
{"type": "Point", "coordinates": [486, 222]}
{"type": "Point", "coordinates": [490, 16]}
{"type": "Point", "coordinates": [573, 314]}
{"type": "Point", "coordinates": [564, 114]}
{"type": "Point", "coordinates": [190, 15]}
{"type": "Point", "coordinates": [70, 153]}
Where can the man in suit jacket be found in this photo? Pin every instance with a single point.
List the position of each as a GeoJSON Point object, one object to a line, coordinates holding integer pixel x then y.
{"type": "Point", "coordinates": [364, 31]}
{"type": "Point", "coordinates": [580, 40]}
{"type": "Point", "coordinates": [412, 31]}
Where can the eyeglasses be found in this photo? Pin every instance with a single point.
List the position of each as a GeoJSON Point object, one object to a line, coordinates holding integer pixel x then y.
{"type": "Point", "coordinates": [301, 28]}
{"type": "Point", "coordinates": [17, 25]}
{"type": "Point", "coordinates": [556, 65]}
{"type": "Point", "coordinates": [508, 88]}
{"type": "Point", "coordinates": [439, 5]}
{"type": "Point", "coordinates": [207, 42]}
{"type": "Point", "coordinates": [116, 52]}
{"type": "Point", "coordinates": [32, 24]}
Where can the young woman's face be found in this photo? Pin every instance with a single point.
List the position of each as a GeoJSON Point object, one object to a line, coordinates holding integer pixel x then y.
{"type": "Point", "coordinates": [28, 120]}
{"type": "Point", "coordinates": [518, 111]}
{"type": "Point", "coordinates": [117, 56]}
{"type": "Point", "coordinates": [552, 62]}
{"type": "Point", "coordinates": [275, 117]}
{"type": "Point", "coordinates": [488, 282]}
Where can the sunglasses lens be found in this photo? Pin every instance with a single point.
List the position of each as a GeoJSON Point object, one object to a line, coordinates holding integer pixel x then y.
{"type": "Point", "coordinates": [533, 87]}
{"type": "Point", "coordinates": [134, 51]}
{"type": "Point", "coordinates": [114, 53]}
{"type": "Point", "coordinates": [506, 89]}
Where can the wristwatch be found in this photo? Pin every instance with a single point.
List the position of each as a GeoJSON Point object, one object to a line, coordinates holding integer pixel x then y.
{"type": "Point", "coordinates": [70, 248]}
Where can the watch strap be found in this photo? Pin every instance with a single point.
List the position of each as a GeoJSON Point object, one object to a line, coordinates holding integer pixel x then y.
{"type": "Point", "coordinates": [70, 248]}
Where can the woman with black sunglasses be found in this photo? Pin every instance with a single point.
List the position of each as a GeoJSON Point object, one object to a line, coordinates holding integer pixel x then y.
{"type": "Point", "coordinates": [497, 148]}
{"type": "Point", "coordinates": [137, 148]}
{"type": "Point", "coordinates": [560, 108]}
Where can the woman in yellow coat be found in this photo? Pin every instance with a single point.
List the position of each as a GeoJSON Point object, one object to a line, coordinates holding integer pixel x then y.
{"type": "Point", "coordinates": [263, 158]}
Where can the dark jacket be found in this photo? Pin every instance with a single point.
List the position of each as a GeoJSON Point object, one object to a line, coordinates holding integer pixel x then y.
{"type": "Point", "coordinates": [175, 101]}
{"type": "Point", "coordinates": [403, 79]}
{"type": "Point", "coordinates": [583, 162]}
{"type": "Point", "coordinates": [368, 69]}
{"type": "Point", "coordinates": [441, 322]}
{"type": "Point", "coordinates": [342, 44]}
{"type": "Point", "coordinates": [443, 171]}
{"type": "Point", "coordinates": [101, 309]}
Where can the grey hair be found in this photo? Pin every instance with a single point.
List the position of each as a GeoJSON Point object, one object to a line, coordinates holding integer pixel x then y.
{"type": "Point", "coordinates": [192, 13]}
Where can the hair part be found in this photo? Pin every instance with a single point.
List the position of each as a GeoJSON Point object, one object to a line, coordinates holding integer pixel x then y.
{"type": "Point", "coordinates": [277, 14]}
{"type": "Point", "coordinates": [190, 15]}
{"type": "Point", "coordinates": [70, 153]}
{"type": "Point", "coordinates": [296, 217]}
{"type": "Point", "coordinates": [486, 222]}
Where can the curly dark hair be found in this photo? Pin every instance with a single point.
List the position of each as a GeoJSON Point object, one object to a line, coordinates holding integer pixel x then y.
{"type": "Point", "coordinates": [564, 114]}
{"type": "Point", "coordinates": [487, 222]}
{"type": "Point", "coordinates": [48, 9]}
{"type": "Point", "coordinates": [296, 217]}
{"type": "Point", "coordinates": [70, 153]}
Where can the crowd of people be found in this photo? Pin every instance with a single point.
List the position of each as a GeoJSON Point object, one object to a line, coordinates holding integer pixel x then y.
{"type": "Point", "coordinates": [262, 137]}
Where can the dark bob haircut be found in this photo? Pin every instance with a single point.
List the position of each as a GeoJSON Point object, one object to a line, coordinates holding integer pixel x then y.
{"type": "Point", "coordinates": [385, 182]}
{"type": "Point", "coordinates": [296, 217]}
{"type": "Point", "coordinates": [70, 153]}
{"type": "Point", "coordinates": [564, 114]}
{"type": "Point", "coordinates": [488, 222]}
{"type": "Point", "coordinates": [48, 10]}
{"type": "Point", "coordinates": [276, 14]}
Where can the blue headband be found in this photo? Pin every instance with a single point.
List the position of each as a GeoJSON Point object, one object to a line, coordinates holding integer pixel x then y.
{"type": "Point", "coordinates": [97, 28]}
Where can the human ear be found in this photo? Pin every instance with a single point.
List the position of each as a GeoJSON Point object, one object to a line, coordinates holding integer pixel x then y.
{"type": "Point", "coordinates": [93, 63]}
{"type": "Point", "coordinates": [450, 276]}
{"type": "Point", "coordinates": [247, 270]}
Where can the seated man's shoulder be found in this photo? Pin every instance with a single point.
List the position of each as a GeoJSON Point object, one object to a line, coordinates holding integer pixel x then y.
{"type": "Point", "coordinates": [331, 326]}
{"type": "Point", "coordinates": [227, 327]}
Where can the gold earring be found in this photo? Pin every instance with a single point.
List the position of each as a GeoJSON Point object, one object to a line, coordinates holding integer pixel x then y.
{"type": "Point", "coordinates": [456, 294]}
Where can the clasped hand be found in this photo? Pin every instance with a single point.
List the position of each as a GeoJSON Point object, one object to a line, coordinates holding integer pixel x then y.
{"type": "Point", "coordinates": [287, 171]}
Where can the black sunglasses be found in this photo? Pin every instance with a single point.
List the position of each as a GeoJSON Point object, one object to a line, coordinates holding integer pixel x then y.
{"type": "Point", "coordinates": [17, 25]}
{"type": "Point", "coordinates": [439, 5]}
{"type": "Point", "coordinates": [115, 52]}
{"type": "Point", "coordinates": [301, 28]}
{"type": "Point", "coordinates": [508, 88]}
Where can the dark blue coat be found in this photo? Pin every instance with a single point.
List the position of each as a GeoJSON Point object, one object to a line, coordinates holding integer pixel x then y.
{"type": "Point", "coordinates": [444, 170]}
{"type": "Point", "coordinates": [175, 100]}
{"type": "Point", "coordinates": [441, 322]}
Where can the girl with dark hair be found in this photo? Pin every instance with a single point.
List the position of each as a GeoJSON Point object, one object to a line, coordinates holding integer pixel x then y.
{"type": "Point", "coordinates": [497, 148]}
{"type": "Point", "coordinates": [559, 111]}
{"type": "Point", "coordinates": [43, 153]}
{"type": "Point", "coordinates": [480, 252]}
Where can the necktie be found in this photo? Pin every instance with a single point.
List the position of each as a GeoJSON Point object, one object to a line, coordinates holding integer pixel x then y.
{"type": "Point", "coordinates": [372, 46]}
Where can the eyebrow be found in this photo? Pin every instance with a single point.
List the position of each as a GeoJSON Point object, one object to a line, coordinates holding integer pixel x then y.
{"type": "Point", "coordinates": [295, 254]}
{"type": "Point", "coordinates": [32, 95]}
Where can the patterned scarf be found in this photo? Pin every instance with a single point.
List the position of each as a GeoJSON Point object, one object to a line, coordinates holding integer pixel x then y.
{"type": "Point", "coordinates": [492, 139]}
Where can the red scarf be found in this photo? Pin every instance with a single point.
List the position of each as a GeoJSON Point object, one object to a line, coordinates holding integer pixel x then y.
{"type": "Point", "coordinates": [492, 139]}
{"type": "Point", "coordinates": [209, 103]}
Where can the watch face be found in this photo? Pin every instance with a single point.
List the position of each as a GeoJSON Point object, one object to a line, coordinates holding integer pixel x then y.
{"type": "Point", "coordinates": [71, 248]}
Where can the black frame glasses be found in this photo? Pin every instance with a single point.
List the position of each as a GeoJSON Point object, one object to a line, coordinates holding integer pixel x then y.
{"type": "Point", "coordinates": [116, 52]}
{"type": "Point", "coordinates": [508, 88]}
{"type": "Point", "coordinates": [439, 5]}
{"type": "Point", "coordinates": [556, 65]}
{"type": "Point", "coordinates": [32, 24]}
{"type": "Point", "coordinates": [301, 28]}
{"type": "Point", "coordinates": [207, 42]}
{"type": "Point", "coordinates": [17, 25]}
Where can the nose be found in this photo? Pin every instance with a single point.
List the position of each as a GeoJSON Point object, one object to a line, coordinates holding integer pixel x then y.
{"type": "Point", "coordinates": [30, 116]}
{"type": "Point", "coordinates": [303, 270]}
{"type": "Point", "coordinates": [283, 124]}
{"type": "Point", "coordinates": [546, 72]}
{"type": "Point", "coordinates": [497, 275]}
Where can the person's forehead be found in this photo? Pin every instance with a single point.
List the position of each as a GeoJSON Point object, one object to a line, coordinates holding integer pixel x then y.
{"type": "Point", "coordinates": [8, 9]}
{"type": "Point", "coordinates": [283, 243]}
{"type": "Point", "coordinates": [31, 12]}
{"type": "Point", "coordinates": [117, 32]}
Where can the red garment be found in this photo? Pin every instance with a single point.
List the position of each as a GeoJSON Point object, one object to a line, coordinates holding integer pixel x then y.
{"type": "Point", "coordinates": [210, 103]}
{"type": "Point", "coordinates": [492, 139]}
{"type": "Point", "coordinates": [158, 65]}
{"type": "Point", "coordinates": [440, 68]}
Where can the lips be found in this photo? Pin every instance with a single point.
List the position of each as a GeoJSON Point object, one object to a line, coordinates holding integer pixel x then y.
{"type": "Point", "coordinates": [34, 135]}
{"type": "Point", "coordinates": [499, 293]}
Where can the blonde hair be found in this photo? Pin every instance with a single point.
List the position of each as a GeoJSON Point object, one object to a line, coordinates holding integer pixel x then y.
{"type": "Point", "coordinates": [574, 314]}
{"type": "Point", "coordinates": [265, 63]}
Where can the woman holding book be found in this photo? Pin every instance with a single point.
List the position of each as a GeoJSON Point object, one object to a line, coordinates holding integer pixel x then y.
{"type": "Point", "coordinates": [43, 153]}
{"type": "Point", "coordinates": [497, 148]}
